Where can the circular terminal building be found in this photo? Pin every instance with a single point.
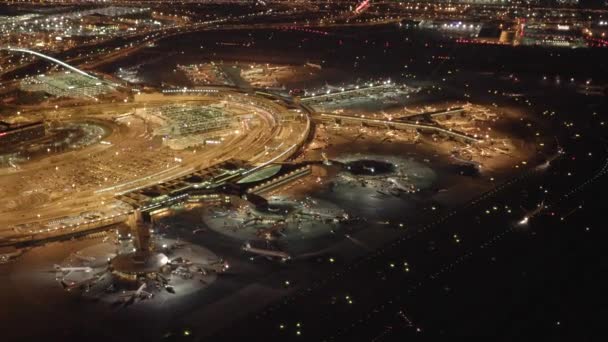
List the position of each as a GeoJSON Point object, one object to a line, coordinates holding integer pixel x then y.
{"type": "Point", "coordinates": [134, 265]}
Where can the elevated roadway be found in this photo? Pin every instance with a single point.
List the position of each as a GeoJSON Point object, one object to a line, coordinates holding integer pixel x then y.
{"type": "Point", "coordinates": [435, 114]}
{"type": "Point", "coordinates": [399, 125]}
{"type": "Point", "coordinates": [49, 58]}
{"type": "Point", "coordinates": [345, 93]}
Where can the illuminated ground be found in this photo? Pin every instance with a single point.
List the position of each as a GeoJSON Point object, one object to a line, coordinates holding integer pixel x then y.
{"type": "Point", "coordinates": [110, 289]}
{"type": "Point", "coordinates": [287, 220]}
{"type": "Point", "coordinates": [132, 155]}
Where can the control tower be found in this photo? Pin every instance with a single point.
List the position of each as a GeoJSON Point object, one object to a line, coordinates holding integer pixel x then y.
{"type": "Point", "coordinates": [144, 260]}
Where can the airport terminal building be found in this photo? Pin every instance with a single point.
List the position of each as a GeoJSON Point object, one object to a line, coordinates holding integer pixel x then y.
{"type": "Point", "coordinates": [65, 85]}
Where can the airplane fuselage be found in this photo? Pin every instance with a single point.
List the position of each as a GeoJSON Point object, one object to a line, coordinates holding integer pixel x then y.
{"type": "Point", "coordinates": [267, 252]}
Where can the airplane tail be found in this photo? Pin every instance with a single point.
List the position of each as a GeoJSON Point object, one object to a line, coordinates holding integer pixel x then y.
{"type": "Point", "coordinates": [57, 268]}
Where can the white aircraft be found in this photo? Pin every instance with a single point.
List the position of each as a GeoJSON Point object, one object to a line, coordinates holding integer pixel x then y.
{"type": "Point", "coordinates": [217, 266]}
{"type": "Point", "coordinates": [76, 277]}
{"type": "Point", "coordinates": [68, 270]}
{"type": "Point", "coordinates": [531, 213]}
{"type": "Point", "coordinates": [70, 285]}
{"type": "Point", "coordinates": [270, 254]}
{"type": "Point", "coordinates": [84, 284]}
{"type": "Point", "coordinates": [398, 185]}
{"type": "Point", "coordinates": [178, 244]}
{"type": "Point", "coordinates": [130, 297]}
{"type": "Point", "coordinates": [83, 258]}
{"type": "Point", "coordinates": [199, 230]}
{"type": "Point", "coordinates": [219, 213]}
{"type": "Point", "coordinates": [179, 261]}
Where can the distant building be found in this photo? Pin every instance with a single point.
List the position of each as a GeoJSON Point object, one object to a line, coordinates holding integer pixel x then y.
{"type": "Point", "coordinates": [66, 85]}
{"type": "Point", "coordinates": [507, 37]}
{"type": "Point", "coordinates": [550, 34]}
{"type": "Point", "coordinates": [453, 27]}
{"type": "Point", "coordinates": [14, 134]}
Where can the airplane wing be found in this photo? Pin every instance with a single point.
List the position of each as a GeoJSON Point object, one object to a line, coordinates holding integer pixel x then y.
{"type": "Point", "coordinates": [62, 274]}
{"type": "Point", "coordinates": [146, 294]}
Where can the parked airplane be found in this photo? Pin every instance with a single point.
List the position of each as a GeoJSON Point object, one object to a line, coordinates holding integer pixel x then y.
{"type": "Point", "coordinates": [269, 254]}
{"type": "Point", "coordinates": [177, 244]}
{"type": "Point", "coordinates": [76, 277]}
{"type": "Point", "coordinates": [84, 284]}
{"type": "Point", "coordinates": [68, 270]}
{"type": "Point", "coordinates": [217, 266]}
{"type": "Point", "coordinates": [400, 186]}
{"type": "Point", "coordinates": [130, 297]}
{"type": "Point", "coordinates": [199, 230]}
{"type": "Point", "coordinates": [83, 258]}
